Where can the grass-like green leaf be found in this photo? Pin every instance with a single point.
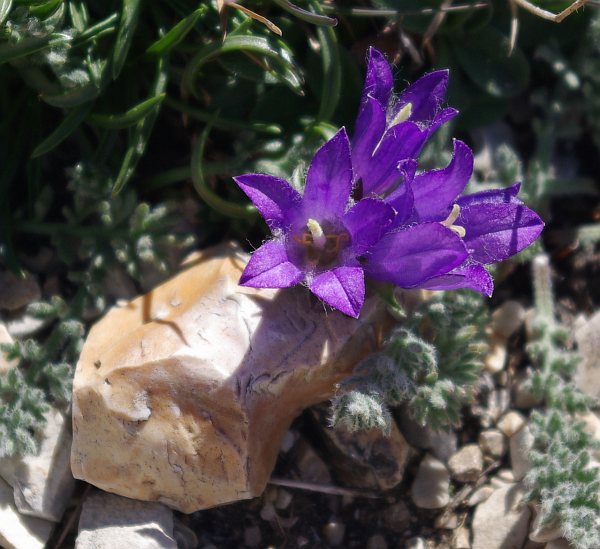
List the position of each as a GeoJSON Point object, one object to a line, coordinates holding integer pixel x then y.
{"type": "Point", "coordinates": [141, 133]}
{"type": "Point", "coordinates": [5, 6]}
{"type": "Point", "coordinates": [332, 71]}
{"type": "Point", "coordinates": [255, 44]}
{"type": "Point", "coordinates": [174, 36]}
{"type": "Point", "coordinates": [69, 124]}
{"type": "Point", "coordinates": [223, 206]}
{"type": "Point", "coordinates": [128, 118]}
{"type": "Point", "coordinates": [127, 25]}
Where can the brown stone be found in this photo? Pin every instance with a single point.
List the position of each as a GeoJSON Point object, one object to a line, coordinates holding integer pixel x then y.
{"type": "Point", "coordinates": [183, 395]}
{"type": "Point", "coordinates": [368, 459]}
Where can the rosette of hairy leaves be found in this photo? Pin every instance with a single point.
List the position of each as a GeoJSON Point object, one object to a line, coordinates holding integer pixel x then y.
{"type": "Point", "coordinates": [430, 365]}
{"type": "Point", "coordinates": [561, 479]}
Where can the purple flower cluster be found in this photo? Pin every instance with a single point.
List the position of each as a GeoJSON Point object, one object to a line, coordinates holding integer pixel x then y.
{"type": "Point", "coordinates": [366, 211]}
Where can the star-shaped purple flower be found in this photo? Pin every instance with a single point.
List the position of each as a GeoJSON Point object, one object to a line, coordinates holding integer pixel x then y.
{"type": "Point", "coordinates": [491, 225]}
{"type": "Point", "coordinates": [388, 128]}
{"type": "Point", "coordinates": [326, 241]}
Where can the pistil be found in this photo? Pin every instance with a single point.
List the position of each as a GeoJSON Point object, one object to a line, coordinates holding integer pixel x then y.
{"type": "Point", "coordinates": [449, 222]}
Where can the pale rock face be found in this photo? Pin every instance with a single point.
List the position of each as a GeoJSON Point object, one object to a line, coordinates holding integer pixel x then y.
{"type": "Point", "coordinates": [108, 521]}
{"type": "Point", "coordinates": [183, 395]}
{"type": "Point", "coordinates": [587, 376]}
{"type": "Point", "coordinates": [18, 531]}
{"type": "Point", "coordinates": [43, 482]}
{"type": "Point", "coordinates": [521, 444]}
{"type": "Point", "coordinates": [501, 521]}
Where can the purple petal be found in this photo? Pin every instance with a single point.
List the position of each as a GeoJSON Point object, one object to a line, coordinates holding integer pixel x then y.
{"type": "Point", "coordinates": [402, 198]}
{"type": "Point", "coordinates": [400, 142]}
{"type": "Point", "coordinates": [495, 196]}
{"type": "Point", "coordinates": [425, 95]}
{"type": "Point", "coordinates": [473, 277]}
{"type": "Point", "coordinates": [275, 198]}
{"type": "Point", "coordinates": [409, 257]}
{"type": "Point", "coordinates": [370, 126]}
{"type": "Point", "coordinates": [366, 222]}
{"type": "Point", "coordinates": [496, 231]}
{"type": "Point", "coordinates": [440, 119]}
{"type": "Point", "coordinates": [343, 288]}
{"type": "Point", "coordinates": [270, 267]}
{"type": "Point", "coordinates": [435, 191]}
{"type": "Point", "coordinates": [329, 179]}
{"type": "Point", "coordinates": [379, 80]}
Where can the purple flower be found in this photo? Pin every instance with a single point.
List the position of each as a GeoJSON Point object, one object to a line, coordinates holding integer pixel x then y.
{"type": "Point", "coordinates": [420, 234]}
{"type": "Point", "coordinates": [324, 240]}
{"type": "Point", "coordinates": [388, 128]}
{"type": "Point", "coordinates": [318, 237]}
{"type": "Point", "coordinates": [491, 225]}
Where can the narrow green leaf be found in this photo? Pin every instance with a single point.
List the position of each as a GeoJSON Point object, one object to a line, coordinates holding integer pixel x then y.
{"type": "Point", "coordinates": [141, 134]}
{"type": "Point", "coordinates": [106, 26]}
{"type": "Point", "coordinates": [73, 97]}
{"type": "Point", "coordinates": [5, 6]}
{"type": "Point", "coordinates": [332, 70]}
{"type": "Point", "coordinates": [128, 118]}
{"type": "Point", "coordinates": [27, 46]}
{"type": "Point", "coordinates": [79, 15]}
{"type": "Point", "coordinates": [127, 25]}
{"type": "Point", "coordinates": [254, 44]}
{"type": "Point", "coordinates": [45, 9]}
{"type": "Point", "coordinates": [309, 16]}
{"type": "Point", "coordinates": [223, 206]}
{"type": "Point", "coordinates": [177, 33]}
{"type": "Point", "coordinates": [223, 123]}
{"type": "Point", "coordinates": [69, 124]}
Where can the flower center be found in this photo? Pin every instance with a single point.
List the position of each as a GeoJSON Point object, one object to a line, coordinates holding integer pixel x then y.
{"type": "Point", "coordinates": [449, 222]}
{"type": "Point", "coordinates": [322, 244]}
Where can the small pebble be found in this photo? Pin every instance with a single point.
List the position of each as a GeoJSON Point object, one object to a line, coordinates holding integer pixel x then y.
{"type": "Point", "coordinates": [334, 533]}
{"type": "Point", "coordinates": [377, 542]}
{"type": "Point", "coordinates": [495, 359]}
{"type": "Point", "coordinates": [252, 536]}
{"type": "Point", "coordinates": [268, 512]}
{"type": "Point", "coordinates": [493, 443]}
{"type": "Point", "coordinates": [288, 441]}
{"type": "Point", "coordinates": [415, 543]}
{"type": "Point", "coordinates": [446, 521]}
{"type": "Point", "coordinates": [467, 464]}
{"type": "Point", "coordinates": [508, 318]}
{"type": "Point", "coordinates": [284, 498]}
{"type": "Point", "coordinates": [510, 423]}
{"type": "Point", "coordinates": [430, 489]}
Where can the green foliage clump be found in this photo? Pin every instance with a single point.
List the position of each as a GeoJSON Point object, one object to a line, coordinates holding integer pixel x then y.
{"type": "Point", "coordinates": [561, 479]}
{"type": "Point", "coordinates": [431, 364]}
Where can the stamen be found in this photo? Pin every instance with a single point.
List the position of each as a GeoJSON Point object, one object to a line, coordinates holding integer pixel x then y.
{"type": "Point", "coordinates": [449, 222]}
{"type": "Point", "coordinates": [403, 115]}
{"type": "Point", "coordinates": [319, 238]}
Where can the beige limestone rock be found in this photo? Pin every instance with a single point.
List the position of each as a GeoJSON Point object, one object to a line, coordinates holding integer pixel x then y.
{"type": "Point", "coordinates": [182, 395]}
{"type": "Point", "coordinates": [507, 319]}
{"type": "Point", "coordinates": [501, 521]}
{"type": "Point", "coordinates": [431, 487]}
{"type": "Point", "coordinates": [42, 482]}
{"type": "Point", "coordinates": [18, 531]}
